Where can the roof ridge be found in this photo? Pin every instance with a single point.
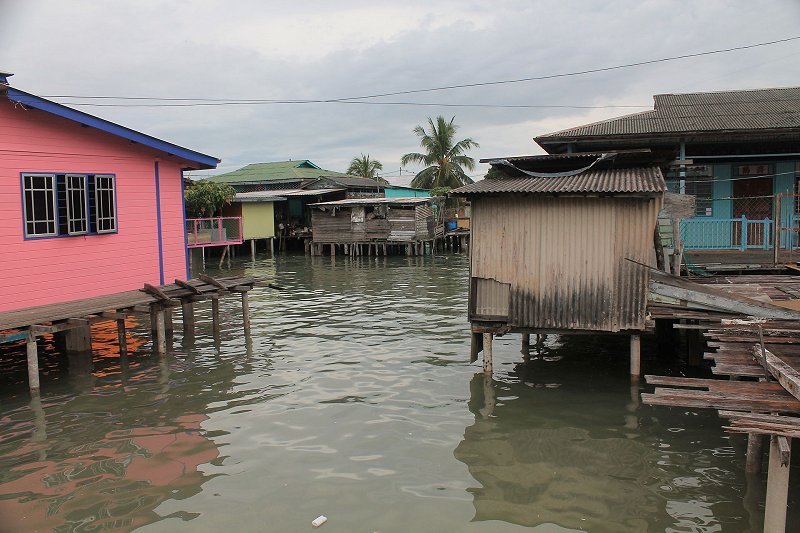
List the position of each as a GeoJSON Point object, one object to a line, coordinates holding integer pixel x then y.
{"type": "Point", "coordinates": [604, 121]}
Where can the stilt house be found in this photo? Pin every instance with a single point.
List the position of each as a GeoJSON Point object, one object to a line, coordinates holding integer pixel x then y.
{"type": "Point", "coordinates": [556, 241]}
{"type": "Point", "coordinates": [90, 207]}
{"type": "Point", "coordinates": [387, 221]}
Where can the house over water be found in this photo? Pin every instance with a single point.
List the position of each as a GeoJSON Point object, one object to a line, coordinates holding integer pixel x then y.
{"type": "Point", "coordinates": [736, 152]}
{"type": "Point", "coordinates": [89, 207]}
{"type": "Point", "coordinates": [557, 245]}
{"type": "Point", "coordinates": [273, 198]}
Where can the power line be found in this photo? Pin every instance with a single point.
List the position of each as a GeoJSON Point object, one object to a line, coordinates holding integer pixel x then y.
{"type": "Point", "coordinates": [354, 99]}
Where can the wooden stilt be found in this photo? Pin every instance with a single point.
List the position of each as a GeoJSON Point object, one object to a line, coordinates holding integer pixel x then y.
{"type": "Point", "coordinates": [753, 461]}
{"type": "Point", "coordinates": [33, 362]}
{"type": "Point", "coordinates": [526, 341]}
{"type": "Point", "coordinates": [246, 313]}
{"type": "Point", "coordinates": [215, 315]}
{"type": "Point", "coordinates": [160, 340]}
{"type": "Point", "coordinates": [487, 354]}
{"type": "Point", "coordinates": [272, 246]}
{"type": "Point", "coordinates": [252, 249]}
{"type": "Point", "coordinates": [636, 356]}
{"type": "Point", "coordinates": [777, 485]}
{"type": "Point", "coordinates": [187, 311]}
{"type": "Point", "coordinates": [333, 250]}
{"type": "Point", "coordinates": [121, 337]}
{"type": "Point", "coordinates": [203, 256]}
{"type": "Point", "coordinates": [168, 320]}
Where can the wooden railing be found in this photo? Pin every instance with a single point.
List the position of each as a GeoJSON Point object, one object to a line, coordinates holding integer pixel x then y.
{"type": "Point", "coordinates": [217, 231]}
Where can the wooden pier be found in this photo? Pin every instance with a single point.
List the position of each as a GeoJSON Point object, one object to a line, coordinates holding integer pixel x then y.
{"type": "Point", "coordinates": [756, 356]}
{"type": "Point", "coordinates": [72, 321]}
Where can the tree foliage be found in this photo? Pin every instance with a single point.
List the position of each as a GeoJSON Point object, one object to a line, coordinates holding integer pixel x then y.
{"type": "Point", "coordinates": [206, 198]}
{"type": "Point", "coordinates": [445, 159]}
{"type": "Point", "coordinates": [365, 167]}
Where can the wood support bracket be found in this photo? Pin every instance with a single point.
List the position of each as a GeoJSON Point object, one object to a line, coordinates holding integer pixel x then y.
{"type": "Point", "coordinates": [188, 286]}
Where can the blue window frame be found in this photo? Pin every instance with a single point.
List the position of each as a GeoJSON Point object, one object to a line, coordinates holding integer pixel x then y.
{"type": "Point", "coordinates": [61, 205]}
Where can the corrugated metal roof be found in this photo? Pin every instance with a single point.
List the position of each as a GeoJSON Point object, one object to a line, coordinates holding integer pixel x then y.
{"type": "Point", "coordinates": [604, 181]}
{"type": "Point", "coordinates": [356, 182]}
{"type": "Point", "coordinates": [376, 201]}
{"type": "Point", "coordinates": [762, 109]}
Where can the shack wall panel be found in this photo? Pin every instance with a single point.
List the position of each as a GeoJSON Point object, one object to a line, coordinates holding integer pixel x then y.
{"type": "Point", "coordinates": [66, 268]}
{"type": "Point", "coordinates": [563, 258]}
{"type": "Point", "coordinates": [258, 220]}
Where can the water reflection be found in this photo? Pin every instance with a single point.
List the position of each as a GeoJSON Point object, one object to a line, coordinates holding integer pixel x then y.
{"type": "Point", "coordinates": [534, 473]}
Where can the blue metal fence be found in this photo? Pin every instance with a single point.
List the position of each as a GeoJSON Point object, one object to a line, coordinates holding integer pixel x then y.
{"type": "Point", "coordinates": [726, 233]}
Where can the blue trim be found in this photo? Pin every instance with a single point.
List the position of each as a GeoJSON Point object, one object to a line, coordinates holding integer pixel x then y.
{"type": "Point", "coordinates": [202, 161]}
{"type": "Point", "coordinates": [185, 236]}
{"type": "Point", "coordinates": [158, 221]}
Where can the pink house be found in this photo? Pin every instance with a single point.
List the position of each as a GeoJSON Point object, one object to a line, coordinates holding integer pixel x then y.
{"type": "Point", "coordinates": [88, 207]}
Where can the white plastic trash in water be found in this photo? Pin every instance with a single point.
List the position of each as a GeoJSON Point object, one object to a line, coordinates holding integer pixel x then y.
{"type": "Point", "coordinates": [318, 521]}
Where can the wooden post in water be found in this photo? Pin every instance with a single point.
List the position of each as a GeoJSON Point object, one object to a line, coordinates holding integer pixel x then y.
{"type": "Point", "coordinates": [777, 485]}
{"type": "Point", "coordinates": [159, 328]}
{"type": "Point", "coordinates": [753, 461]}
{"type": "Point", "coordinates": [252, 249]}
{"type": "Point", "coordinates": [33, 362]}
{"type": "Point", "coordinates": [272, 246]}
{"type": "Point", "coordinates": [215, 315]}
{"type": "Point", "coordinates": [122, 339]}
{"type": "Point", "coordinates": [187, 310]}
{"type": "Point", "coordinates": [636, 356]}
{"type": "Point", "coordinates": [526, 341]}
{"type": "Point", "coordinates": [246, 313]}
{"type": "Point", "coordinates": [487, 354]}
{"type": "Point", "coordinates": [168, 320]}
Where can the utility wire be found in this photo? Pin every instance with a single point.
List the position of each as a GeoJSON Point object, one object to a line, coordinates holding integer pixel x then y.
{"type": "Point", "coordinates": [353, 99]}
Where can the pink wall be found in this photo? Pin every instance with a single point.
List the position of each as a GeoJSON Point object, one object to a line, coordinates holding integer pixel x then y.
{"type": "Point", "coordinates": [49, 270]}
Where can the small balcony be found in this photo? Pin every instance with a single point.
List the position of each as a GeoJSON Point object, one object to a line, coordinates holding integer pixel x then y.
{"type": "Point", "coordinates": [217, 231]}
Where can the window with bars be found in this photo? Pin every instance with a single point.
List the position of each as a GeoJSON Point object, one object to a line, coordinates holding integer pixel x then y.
{"type": "Point", "coordinates": [68, 204]}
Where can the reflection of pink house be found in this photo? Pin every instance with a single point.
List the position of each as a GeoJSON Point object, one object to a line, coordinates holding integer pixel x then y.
{"type": "Point", "coordinates": [88, 207]}
{"type": "Point", "coordinates": [115, 483]}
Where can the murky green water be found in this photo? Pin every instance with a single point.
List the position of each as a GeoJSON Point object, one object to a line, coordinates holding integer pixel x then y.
{"type": "Point", "coordinates": [354, 399]}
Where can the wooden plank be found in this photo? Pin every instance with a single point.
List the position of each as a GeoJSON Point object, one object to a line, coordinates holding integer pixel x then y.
{"type": "Point", "coordinates": [212, 281]}
{"type": "Point", "coordinates": [786, 375]}
{"type": "Point", "coordinates": [155, 291]}
{"type": "Point", "coordinates": [188, 286]}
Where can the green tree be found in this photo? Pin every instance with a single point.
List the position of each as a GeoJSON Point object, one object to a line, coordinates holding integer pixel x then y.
{"type": "Point", "coordinates": [444, 159]}
{"type": "Point", "coordinates": [365, 167]}
{"type": "Point", "coordinates": [206, 198]}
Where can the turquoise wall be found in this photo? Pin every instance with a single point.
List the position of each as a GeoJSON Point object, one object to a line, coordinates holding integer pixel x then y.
{"type": "Point", "coordinates": [407, 193]}
{"type": "Point", "coordinates": [723, 188]}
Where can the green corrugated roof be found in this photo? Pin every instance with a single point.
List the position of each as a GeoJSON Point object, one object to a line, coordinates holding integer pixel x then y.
{"type": "Point", "coordinates": [277, 170]}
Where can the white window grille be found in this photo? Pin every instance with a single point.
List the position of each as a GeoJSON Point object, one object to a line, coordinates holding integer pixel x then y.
{"type": "Point", "coordinates": [105, 209]}
{"type": "Point", "coordinates": [77, 222]}
{"type": "Point", "coordinates": [39, 193]}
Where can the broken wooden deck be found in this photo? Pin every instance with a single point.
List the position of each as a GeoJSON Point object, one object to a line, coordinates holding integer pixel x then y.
{"type": "Point", "coordinates": [73, 319]}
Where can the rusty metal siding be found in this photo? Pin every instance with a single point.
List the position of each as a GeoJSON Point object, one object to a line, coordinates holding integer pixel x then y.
{"type": "Point", "coordinates": [564, 259]}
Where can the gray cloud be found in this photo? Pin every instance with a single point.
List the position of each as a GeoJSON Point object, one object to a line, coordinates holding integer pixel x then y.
{"type": "Point", "coordinates": [317, 50]}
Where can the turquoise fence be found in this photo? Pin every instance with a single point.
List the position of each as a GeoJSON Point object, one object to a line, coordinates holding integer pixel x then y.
{"type": "Point", "coordinates": [726, 234]}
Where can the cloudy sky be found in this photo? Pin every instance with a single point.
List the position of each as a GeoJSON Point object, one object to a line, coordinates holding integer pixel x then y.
{"type": "Point", "coordinates": [334, 49]}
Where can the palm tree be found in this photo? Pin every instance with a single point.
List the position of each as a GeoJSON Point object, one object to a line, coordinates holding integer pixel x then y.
{"type": "Point", "coordinates": [445, 159]}
{"type": "Point", "coordinates": [365, 167]}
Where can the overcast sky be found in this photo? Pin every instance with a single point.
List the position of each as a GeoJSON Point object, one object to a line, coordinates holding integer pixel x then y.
{"type": "Point", "coordinates": [318, 50]}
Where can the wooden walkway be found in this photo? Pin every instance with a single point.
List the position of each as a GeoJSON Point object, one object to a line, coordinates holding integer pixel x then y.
{"type": "Point", "coordinates": [758, 363]}
{"type": "Point", "coordinates": [72, 320]}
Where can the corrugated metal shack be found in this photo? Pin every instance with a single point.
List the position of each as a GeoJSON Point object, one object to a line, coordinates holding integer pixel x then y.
{"type": "Point", "coordinates": [383, 225]}
{"type": "Point", "coordinates": [551, 241]}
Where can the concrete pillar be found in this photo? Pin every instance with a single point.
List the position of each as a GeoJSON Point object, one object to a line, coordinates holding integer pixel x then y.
{"type": "Point", "coordinates": [636, 356]}
{"type": "Point", "coordinates": [777, 490]}
{"type": "Point", "coordinates": [78, 339]}
{"type": "Point", "coordinates": [487, 354]}
{"type": "Point", "coordinates": [272, 246]}
{"type": "Point", "coordinates": [215, 316]}
{"type": "Point", "coordinates": [252, 249]}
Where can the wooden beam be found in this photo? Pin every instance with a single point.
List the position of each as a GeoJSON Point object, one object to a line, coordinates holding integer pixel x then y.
{"type": "Point", "coordinates": [777, 489]}
{"type": "Point", "coordinates": [212, 281]}
{"type": "Point", "coordinates": [33, 362]}
{"type": "Point", "coordinates": [157, 292]}
{"type": "Point", "coordinates": [188, 286]}
{"type": "Point", "coordinates": [786, 375]}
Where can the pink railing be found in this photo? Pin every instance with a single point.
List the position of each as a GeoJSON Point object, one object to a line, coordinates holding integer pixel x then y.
{"type": "Point", "coordinates": [218, 231]}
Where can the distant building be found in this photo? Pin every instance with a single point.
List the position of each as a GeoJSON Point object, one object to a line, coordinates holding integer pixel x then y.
{"type": "Point", "coordinates": [734, 151]}
{"type": "Point", "coordinates": [89, 207]}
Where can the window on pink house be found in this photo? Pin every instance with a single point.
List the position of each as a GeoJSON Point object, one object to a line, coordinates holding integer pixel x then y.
{"type": "Point", "coordinates": [56, 205]}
